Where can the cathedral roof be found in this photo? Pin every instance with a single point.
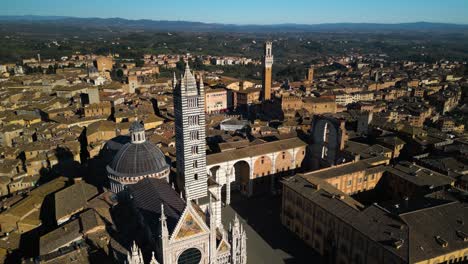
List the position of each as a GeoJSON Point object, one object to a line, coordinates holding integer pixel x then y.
{"type": "Point", "coordinates": [149, 194]}
{"type": "Point", "coordinates": [134, 160]}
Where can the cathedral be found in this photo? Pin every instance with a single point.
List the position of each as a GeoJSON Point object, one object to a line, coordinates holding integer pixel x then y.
{"type": "Point", "coordinates": [168, 226]}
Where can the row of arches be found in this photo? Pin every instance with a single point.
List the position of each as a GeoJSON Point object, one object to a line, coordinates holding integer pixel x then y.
{"type": "Point", "coordinates": [260, 174]}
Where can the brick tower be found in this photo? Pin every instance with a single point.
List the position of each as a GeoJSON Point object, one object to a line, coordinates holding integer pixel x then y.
{"type": "Point", "coordinates": [267, 65]}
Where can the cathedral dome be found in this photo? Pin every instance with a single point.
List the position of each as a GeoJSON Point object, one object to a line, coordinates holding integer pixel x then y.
{"type": "Point", "coordinates": [136, 160]}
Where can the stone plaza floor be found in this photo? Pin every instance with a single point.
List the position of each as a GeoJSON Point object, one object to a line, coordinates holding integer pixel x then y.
{"type": "Point", "coordinates": [267, 240]}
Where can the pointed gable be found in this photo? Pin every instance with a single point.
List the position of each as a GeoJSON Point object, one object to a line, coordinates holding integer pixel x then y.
{"type": "Point", "coordinates": [189, 227]}
{"type": "Point", "coordinates": [223, 247]}
{"type": "Point", "coordinates": [190, 224]}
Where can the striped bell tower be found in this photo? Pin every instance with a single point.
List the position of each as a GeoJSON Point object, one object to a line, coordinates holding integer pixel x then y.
{"type": "Point", "coordinates": [189, 105]}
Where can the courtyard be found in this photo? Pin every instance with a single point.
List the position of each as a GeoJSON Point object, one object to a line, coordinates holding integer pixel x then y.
{"type": "Point", "coordinates": [267, 240]}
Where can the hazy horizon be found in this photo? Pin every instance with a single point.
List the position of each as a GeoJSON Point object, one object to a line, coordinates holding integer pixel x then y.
{"type": "Point", "coordinates": [249, 24]}
{"type": "Point", "coordinates": [258, 12]}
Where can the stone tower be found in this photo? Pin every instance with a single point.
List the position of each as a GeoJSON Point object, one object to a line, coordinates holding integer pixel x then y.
{"type": "Point", "coordinates": [267, 65]}
{"type": "Point", "coordinates": [189, 105]}
{"type": "Point", "coordinates": [364, 119]}
{"type": "Point", "coordinates": [310, 74]}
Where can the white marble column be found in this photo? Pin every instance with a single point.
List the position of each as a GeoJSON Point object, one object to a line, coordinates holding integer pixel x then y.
{"type": "Point", "coordinates": [273, 176]}
{"type": "Point", "coordinates": [228, 192]}
{"type": "Point", "coordinates": [250, 187]}
{"type": "Point", "coordinates": [294, 159]}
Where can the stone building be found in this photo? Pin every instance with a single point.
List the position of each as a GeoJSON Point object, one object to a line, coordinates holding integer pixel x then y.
{"type": "Point", "coordinates": [394, 143]}
{"type": "Point", "coordinates": [246, 97]}
{"type": "Point", "coordinates": [318, 106]}
{"type": "Point", "coordinates": [215, 101]}
{"type": "Point", "coordinates": [447, 124]}
{"type": "Point", "coordinates": [313, 105]}
{"type": "Point", "coordinates": [98, 109]}
{"type": "Point", "coordinates": [364, 118]}
{"type": "Point", "coordinates": [133, 83]}
{"type": "Point", "coordinates": [345, 231]}
{"type": "Point", "coordinates": [25, 215]}
{"type": "Point", "coordinates": [256, 169]}
{"type": "Point", "coordinates": [353, 177]}
{"type": "Point", "coordinates": [93, 96]}
{"type": "Point", "coordinates": [291, 103]}
{"type": "Point", "coordinates": [100, 131]}
{"type": "Point", "coordinates": [417, 229]}
{"type": "Point", "coordinates": [406, 179]}
{"type": "Point", "coordinates": [103, 63]}
{"type": "Point", "coordinates": [9, 133]}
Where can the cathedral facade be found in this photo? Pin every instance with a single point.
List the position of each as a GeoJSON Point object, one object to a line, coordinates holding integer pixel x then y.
{"type": "Point", "coordinates": [171, 227]}
{"type": "Point", "coordinates": [181, 232]}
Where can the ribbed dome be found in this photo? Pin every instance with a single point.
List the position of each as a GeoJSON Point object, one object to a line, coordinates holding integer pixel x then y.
{"type": "Point", "coordinates": [134, 160]}
{"type": "Point", "coordinates": [136, 127]}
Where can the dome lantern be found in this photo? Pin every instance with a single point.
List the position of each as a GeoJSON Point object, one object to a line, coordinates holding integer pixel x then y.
{"type": "Point", "coordinates": [137, 133]}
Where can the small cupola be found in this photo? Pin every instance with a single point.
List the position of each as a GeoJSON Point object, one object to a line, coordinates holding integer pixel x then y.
{"type": "Point", "coordinates": [137, 133]}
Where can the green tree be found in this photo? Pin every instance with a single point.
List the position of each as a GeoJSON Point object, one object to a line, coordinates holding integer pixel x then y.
{"type": "Point", "coordinates": [198, 64]}
{"type": "Point", "coordinates": [50, 70]}
{"type": "Point", "coordinates": [139, 62]}
{"type": "Point", "coordinates": [119, 73]}
{"type": "Point", "coordinates": [180, 65]}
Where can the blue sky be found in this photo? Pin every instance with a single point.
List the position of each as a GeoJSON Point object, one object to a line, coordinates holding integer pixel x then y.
{"type": "Point", "coordinates": [251, 11]}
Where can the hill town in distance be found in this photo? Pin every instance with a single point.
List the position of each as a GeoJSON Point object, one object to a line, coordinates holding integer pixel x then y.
{"type": "Point", "coordinates": [159, 142]}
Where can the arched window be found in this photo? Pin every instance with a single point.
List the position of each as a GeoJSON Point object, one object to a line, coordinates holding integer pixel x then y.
{"type": "Point", "coordinates": [194, 149]}
{"type": "Point", "coordinates": [190, 256]}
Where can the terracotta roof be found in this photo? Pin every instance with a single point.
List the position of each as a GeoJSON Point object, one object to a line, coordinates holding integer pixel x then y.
{"type": "Point", "coordinates": [255, 150]}
{"type": "Point", "coordinates": [81, 193]}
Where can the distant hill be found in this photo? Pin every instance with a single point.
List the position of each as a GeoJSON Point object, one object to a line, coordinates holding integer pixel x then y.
{"type": "Point", "coordinates": [186, 26]}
